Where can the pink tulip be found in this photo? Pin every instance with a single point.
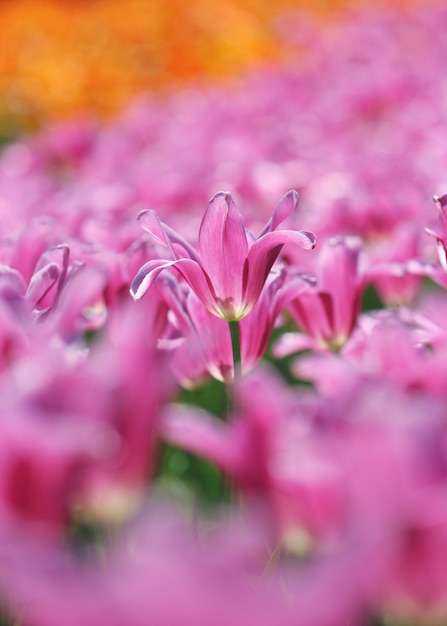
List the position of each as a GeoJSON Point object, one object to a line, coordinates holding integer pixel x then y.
{"type": "Point", "coordinates": [327, 312]}
{"type": "Point", "coordinates": [440, 235]}
{"type": "Point", "coordinates": [326, 484]}
{"type": "Point", "coordinates": [439, 273]}
{"type": "Point", "coordinates": [230, 267]}
{"type": "Point", "coordinates": [205, 347]}
{"type": "Point", "coordinates": [396, 265]}
{"type": "Point", "coordinates": [163, 572]}
{"type": "Point", "coordinates": [384, 349]}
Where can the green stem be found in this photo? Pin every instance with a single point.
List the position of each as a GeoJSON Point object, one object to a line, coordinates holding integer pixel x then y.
{"type": "Point", "coordinates": [236, 345]}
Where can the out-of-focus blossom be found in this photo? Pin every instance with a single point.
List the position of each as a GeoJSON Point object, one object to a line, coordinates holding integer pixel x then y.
{"type": "Point", "coordinates": [327, 311]}
{"type": "Point", "coordinates": [384, 348]}
{"type": "Point", "coordinates": [440, 234]}
{"type": "Point", "coordinates": [365, 473]}
{"type": "Point", "coordinates": [382, 160]}
{"type": "Point", "coordinates": [93, 416]}
{"type": "Point", "coordinates": [439, 273]}
{"type": "Point", "coordinates": [230, 267]}
{"type": "Point", "coordinates": [136, 383]}
{"type": "Point", "coordinates": [216, 577]}
{"type": "Point", "coordinates": [269, 447]}
{"type": "Point", "coordinates": [395, 269]}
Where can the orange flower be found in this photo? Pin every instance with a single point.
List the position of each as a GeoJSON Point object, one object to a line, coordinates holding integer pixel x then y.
{"type": "Point", "coordinates": [60, 57]}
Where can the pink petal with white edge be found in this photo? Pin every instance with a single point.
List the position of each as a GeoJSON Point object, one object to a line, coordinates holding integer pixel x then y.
{"type": "Point", "coordinates": [165, 235]}
{"type": "Point", "coordinates": [41, 283]}
{"type": "Point", "coordinates": [223, 247]}
{"type": "Point", "coordinates": [441, 203]}
{"type": "Point", "coordinates": [11, 281]}
{"type": "Point", "coordinates": [58, 255]}
{"type": "Point", "coordinates": [191, 272]}
{"type": "Point", "coordinates": [285, 207]}
{"type": "Point", "coordinates": [146, 276]}
{"type": "Point", "coordinates": [262, 256]}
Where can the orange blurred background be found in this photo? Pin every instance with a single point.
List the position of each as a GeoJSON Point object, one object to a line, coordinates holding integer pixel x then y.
{"type": "Point", "coordinates": [61, 57]}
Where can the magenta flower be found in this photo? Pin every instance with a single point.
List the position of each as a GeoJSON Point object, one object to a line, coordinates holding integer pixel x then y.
{"type": "Point", "coordinates": [327, 312]}
{"type": "Point", "coordinates": [204, 348]}
{"type": "Point", "coordinates": [230, 267]}
{"type": "Point", "coordinates": [440, 234]}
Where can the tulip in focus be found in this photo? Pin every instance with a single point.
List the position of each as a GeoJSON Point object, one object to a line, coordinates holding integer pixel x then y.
{"type": "Point", "coordinates": [204, 348]}
{"type": "Point", "coordinates": [229, 269]}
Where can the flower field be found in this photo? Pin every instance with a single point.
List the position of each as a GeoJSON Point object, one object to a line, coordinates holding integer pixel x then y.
{"type": "Point", "coordinates": [223, 325]}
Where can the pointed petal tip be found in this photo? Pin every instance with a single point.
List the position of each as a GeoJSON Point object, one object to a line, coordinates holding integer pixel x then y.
{"type": "Point", "coordinates": [221, 195]}
{"type": "Point", "coordinates": [140, 283]}
{"type": "Point", "coordinates": [441, 200]}
{"type": "Point", "coordinates": [293, 195]}
{"type": "Point", "coordinates": [311, 240]}
{"type": "Point", "coordinates": [285, 207]}
{"type": "Point", "coordinates": [289, 203]}
{"type": "Point", "coordinates": [142, 213]}
{"type": "Point", "coordinates": [149, 221]}
{"type": "Point", "coordinates": [134, 293]}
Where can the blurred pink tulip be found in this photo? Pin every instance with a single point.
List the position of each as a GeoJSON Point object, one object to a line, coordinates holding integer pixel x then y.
{"type": "Point", "coordinates": [440, 234]}
{"type": "Point", "coordinates": [327, 311]}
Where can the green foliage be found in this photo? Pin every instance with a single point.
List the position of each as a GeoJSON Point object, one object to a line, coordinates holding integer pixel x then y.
{"type": "Point", "coordinates": [211, 396]}
{"type": "Point", "coordinates": [371, 300]}
{"type": "Point", "coordinates": [185, 476]}
{"type": "Point", "coordinates": [192, 480]}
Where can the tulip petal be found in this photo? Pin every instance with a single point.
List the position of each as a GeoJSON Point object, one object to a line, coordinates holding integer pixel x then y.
{"type": "Point", "coordinates": [223, 248]}
{"type": "Point", "coordinates": [12, 284]}
{"type": "Point", "coordinates": [191, 272]}
{"type": "Point", "coordinates": [263, 254]}
{"type": "Point", "coordinates": [314, 313]}
{"type": "Point", "coordinates": [58, 255]}
{"type": "Point", "coordinates": [256, 327]}
{"type": "Point", "coordinates": [283, 209]}
{"type": "Point", "coordinates": [41, 283]}
{"type": "Point", "coordinates": [292, 288]}
{"type": "Point", "coordinates": [441, 203]}
{"type": "Point", "coordinates": [291, 343]}
{"type": "Point", "coordinates": [146, 276]}
{"type": "Point", "coordinates": [338, 276]}
{"type": "Point", "coordinates": [165, 235]}
{"type": "Point", "coordinates": [84, 287]}
{"type": "Point", "coordinates": [198, 432]}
